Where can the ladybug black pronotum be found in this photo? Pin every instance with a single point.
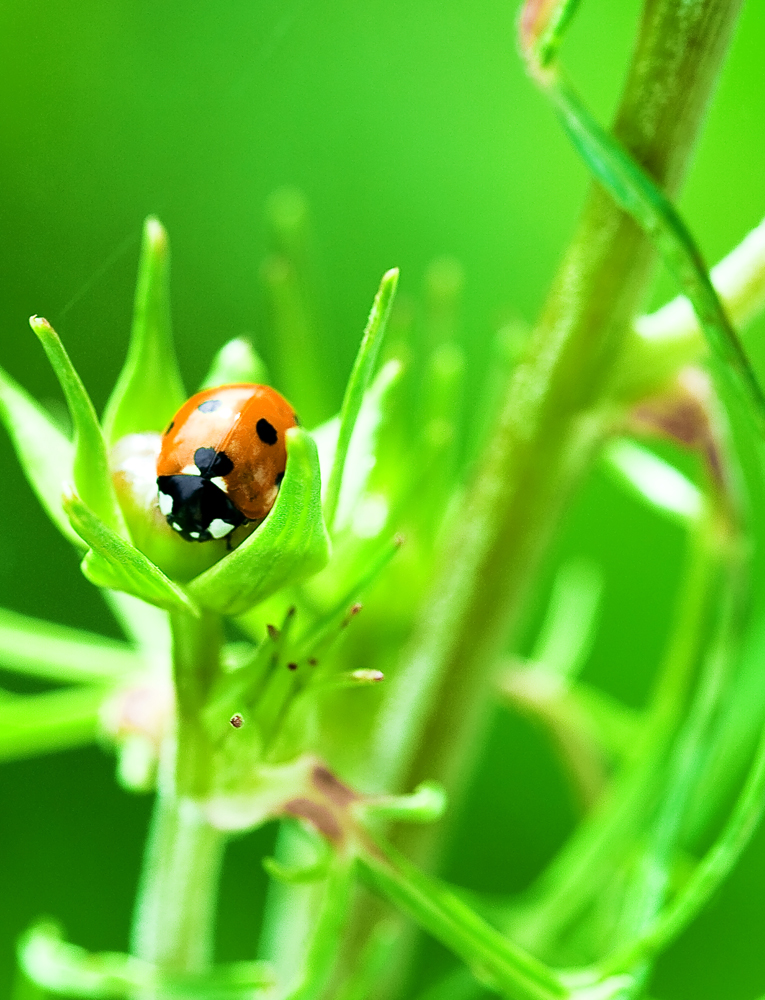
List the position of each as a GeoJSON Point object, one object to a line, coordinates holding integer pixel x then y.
{"type": "Point", "coordinates": [222, 460]}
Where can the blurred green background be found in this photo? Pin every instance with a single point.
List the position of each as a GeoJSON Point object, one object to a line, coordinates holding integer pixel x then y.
{"type": "Point", "coordinates": [414, 134]}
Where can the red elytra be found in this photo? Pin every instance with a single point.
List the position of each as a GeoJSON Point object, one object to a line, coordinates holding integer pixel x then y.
{"type": "Point", "coordinates": [247, 424]}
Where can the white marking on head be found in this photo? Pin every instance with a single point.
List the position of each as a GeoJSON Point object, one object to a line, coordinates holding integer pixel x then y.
{"type": "Point", "coordinates": [220, 482]}
{"type": "Point", "coordinates": [194, 534]}
{"type": "Point", "coordinates": [165, 503]}
{"type": "Point", "coordinates": [190, 470]}
{"type": "Point", "coordinates": [219, 528]}
{"type": "Point", "coordinates": [176, 526]}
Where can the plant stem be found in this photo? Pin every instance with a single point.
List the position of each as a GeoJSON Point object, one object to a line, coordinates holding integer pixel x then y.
{"type": "Point", "coordinates": [709, 874]}
{"type": "Point", "coordinates": [490, 956]}
{"type": "Point", "coordinates": [174, 921]}
{"type": "Point", "coordinates": [175, 914]}
{"type": "Point", "coordinates": [555, 415]}
{"type": "Point", "coordinates": [588, 860]}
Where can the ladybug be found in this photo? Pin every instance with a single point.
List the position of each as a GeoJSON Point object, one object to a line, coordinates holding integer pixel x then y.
{"type": "Point", "coordinates": [222, 460]}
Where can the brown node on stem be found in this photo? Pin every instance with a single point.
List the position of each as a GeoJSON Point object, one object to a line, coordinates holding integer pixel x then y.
{"type": "Point", "coordinates": [236, 720]}
{"type": "Point", "coordinates": [685, 413]}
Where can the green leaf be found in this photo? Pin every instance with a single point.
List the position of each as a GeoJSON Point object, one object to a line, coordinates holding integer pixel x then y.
{"type": "Point", "coordinates": [636, 193]}
{"type": "Point", "coordinates": [568, 630]}
{"type": "Point", "coordinates": [68, 969]}
{"type": "Point", "coordinates": [708, 875]}
{"type": "Point", "coordinates": [437, 910]}
{"type": "Point", "coordinates": [46, 455]}
{"type": "Point", "coordinates": [44, 723]}
{"type": "Point", "coordinates": [289, 545]}
{"type": "Point", "coordinates": [115, 563]}
{"type": "Point", "coordinates": [149, 389]}
{"type": "Point", "coordinates": [362, 451]}
{"type": "Point", "coordinates": [43, 649]}
{"type": "Point", "coordinates": [653, 480]}
{"type": "Point", "coordinates": [91, 465]}
{"type": "Point", "coordinates": [236, 361]}
{"type": "Point", "coordinates": [357, 386]}
{"type": "Point", "coordinates": [327, 928]}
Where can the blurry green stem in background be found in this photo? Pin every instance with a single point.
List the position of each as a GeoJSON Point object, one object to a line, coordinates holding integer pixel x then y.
{"type": "Point", "coordinates": [555, 414]}
{"type": "Point", "coordinates": [608, 834]}
{"type": "Point", "coordinates": [707, 877]}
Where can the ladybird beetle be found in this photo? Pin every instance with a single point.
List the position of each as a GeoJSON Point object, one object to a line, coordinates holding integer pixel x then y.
{"type": "Point", "coordinates": [222, 460]}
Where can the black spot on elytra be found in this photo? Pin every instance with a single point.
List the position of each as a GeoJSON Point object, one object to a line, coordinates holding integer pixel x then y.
{"type": "Point", "coordinates": [279, 477]}
{"type": "Point", "coordinates": [266, 431]}
{"type": "Point", "coordinates": [209, 406]}
{"type": "Point", "coordinates": [212, 463]}
{"type": "Point", "coordinates": [170, 426]}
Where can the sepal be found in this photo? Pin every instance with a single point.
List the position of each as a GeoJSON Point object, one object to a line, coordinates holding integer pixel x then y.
{"type": "Point", "coordinates": [236, 361]}
{"type": "Point", "coordinates": [90, 466]}
{"type": "Point", "coordinates": [115, 563]}
{"type": "Point", "coordinates": [149, 389]}
{"type": "Point", "coordinates": [45, 453]}
{"type": "Point", "coordinates": [290, 545]}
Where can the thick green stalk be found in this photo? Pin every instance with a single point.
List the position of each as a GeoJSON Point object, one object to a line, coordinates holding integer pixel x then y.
{"type": "Point", "coordinates": [555, 414]}
{"type": "Point", "coordinates": [174, 920]}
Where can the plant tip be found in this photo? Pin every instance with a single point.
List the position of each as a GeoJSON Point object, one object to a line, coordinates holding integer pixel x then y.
{"type": "Point", "coordinates": [368, 676]}
{"type": "Point", "coordinates": [237, 720]}
{"type": "Point", "coordinates": [155, 232]}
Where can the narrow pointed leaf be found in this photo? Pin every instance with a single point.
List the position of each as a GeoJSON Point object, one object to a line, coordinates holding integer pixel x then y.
{"type": "Point", "coordinates": [149, 389]}
{"type": "Point", "coordinates": [362, 450]}
{"type": "Point", "coordinates": [236, 361]}
{"type": "Point", "coordinates": [357, 385]}
{"type": "Point", "coordinates": [91, 466]}
{"type": "Point", "coordinates": [44, 649]}
{"type": "Point", "coordinates": [636, 193]}
{"type": "Point", "coordinates": [46, 455]}
{"type": "Point", "coordinates": [290, 545]}
{"type": "Point", "coordinates": [441, 913]}
{"type": "Point", "coordinates": [115, 563]}
{"type": "Point", "coordinates": [44, 723]}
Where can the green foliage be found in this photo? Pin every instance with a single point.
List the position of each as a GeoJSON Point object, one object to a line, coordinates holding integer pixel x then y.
{"type": "Point", "coordinates": [150, 388]}
{"type": "Point", "coordinates": [291, 544]}
{"type": "Point", "coordinates": [297, 707]}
